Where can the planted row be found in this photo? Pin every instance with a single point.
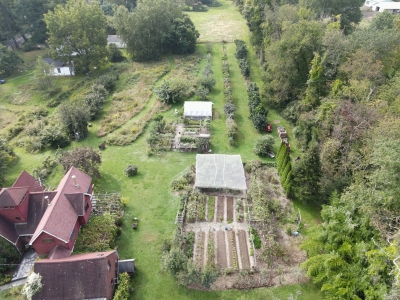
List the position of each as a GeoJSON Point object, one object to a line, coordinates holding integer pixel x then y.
{"type": "Point", "coordinates": [229, 107]}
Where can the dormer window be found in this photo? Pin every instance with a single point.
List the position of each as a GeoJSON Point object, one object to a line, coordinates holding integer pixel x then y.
{"type": "Point", "coordinates": [17, 218]}
{"type": "Point", "coordinates": [108, 265]}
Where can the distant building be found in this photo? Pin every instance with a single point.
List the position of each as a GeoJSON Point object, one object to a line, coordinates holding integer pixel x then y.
{"type": "Point", "coordinates": [115, 39]}
{"type": "Point", "coordinates": [371, 3]}
{"type": "Point", "coordinates": [60, 68]}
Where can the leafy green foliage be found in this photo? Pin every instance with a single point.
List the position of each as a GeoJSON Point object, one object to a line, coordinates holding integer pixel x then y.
{"type": "Point", "coordinates": [94, 100]}
{"type": "Point", "coordinates": [9, 255]}
{"type": "Point", "coordinates": [183, 36]}
{"type": "Point", "coordinates": [74, 117]}
{"type": "Point", "coordinates": [82, 32]}
{"type": "Point", "coordinates": [114, 53]}
{"type": "Point", "coordinates": [306, 176]}
{"type": "Point", "coordinates": [172, 90]}
{"type": "Point", "coordinates": [263, 145]}
{"type": "Point", "coordinates": [123, 290]}
{"type": "Point", "coordinates": [6, 156]}
{"type": "Point", "coordinates": [241, 49]}
{"type": "Point", "coordinates": [85, 159]}
{"type": "Point", "coordinates": [254, 237]}
{"type": "Point", "coordinates": [9, 61]}
{"type": "Point", "coordinates": [97, 235]}
{"type": "Point", "coordinates": [170, 30]}
{"type": "Point", "coordinates": [131, 170]}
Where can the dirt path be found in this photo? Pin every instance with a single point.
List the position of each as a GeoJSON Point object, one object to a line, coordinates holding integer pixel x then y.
{"type": "Point", "coordinates": [221, 250]}
{"type": "Point", "coordinates": [229, 209]}
{"type": "Point", "coordinates": [244, 252]}
{"type": "Point", "coordinates": [220, 213]}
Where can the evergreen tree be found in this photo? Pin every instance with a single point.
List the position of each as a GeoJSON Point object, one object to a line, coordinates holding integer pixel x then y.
{"type": "Point", "coordinates": [306, 176]}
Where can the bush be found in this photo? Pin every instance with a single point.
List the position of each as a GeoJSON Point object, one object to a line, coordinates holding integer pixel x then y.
{"type": "Point", "coordinates": [244, 67]}
{"type": "Point", "coordinates": [202, 92]}
{"type": "Point", "coordinates": [229, 110]}
{"type": "Point", "coordinates": [172, 90]}
{"type": "Point", "coordinates": [263, 144]}
{"type": "Point", "coordinates": [208, 82]}
{"type": "Point", "coordinates": [131, 170]}
{"type": "Point", "coordinates": [114, 53]}
{"type": "Point", "coordinates": [241, 49]}
{"type": "Point", "coordinates": [122, 292]}
{"type": "Point", "coordinates": [255, 238]}
{"type": "Point", "coordinates": [108, 81]}
{"type": "Point", "coordinates": [29, 46]}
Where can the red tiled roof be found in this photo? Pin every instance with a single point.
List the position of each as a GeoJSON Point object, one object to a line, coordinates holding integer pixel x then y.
{"type": "Point", "coordinates": [36, 209]}
{"type": "Point", "coordinates": [77, 201]}
{"type": "Point", "coordinates": [8, 231]}
{"type": "Point", "coordinates": [27, 180]}
{"type": "Point", "coordinates": [60, 217]}
{"type": "Point", "coordinates": [82, 276]}
{"type": "Point", "coordinates": [12, 196]}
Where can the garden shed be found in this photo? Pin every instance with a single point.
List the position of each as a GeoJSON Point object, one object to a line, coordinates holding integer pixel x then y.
{"type": "Point", "coordinates": [198, 110]}
{"type": "Point", "coordinates": [220, 171]}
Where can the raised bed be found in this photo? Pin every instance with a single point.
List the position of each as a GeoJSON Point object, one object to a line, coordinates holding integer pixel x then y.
{"type": "Point", "coordinates": [199, 256]}
{"type": "Point", "coordinates": [222, 261]}
{"type": "Point", "coordinates": [211, 209]}
{"type": "Point", "coordinates": [229, 207]}
{"type": "Point", "coordinates": [244, 252]}
{"type": "Point", "coordinates": [211, 249]}
{"type": "Point", "coordinates": [230, 247]}
{"type": "Point", "coordinates": [201, 210]}
{"type": "Point", "coordinates": [220, 209]}
{"type": "Point", "coordinates": [232, 241]}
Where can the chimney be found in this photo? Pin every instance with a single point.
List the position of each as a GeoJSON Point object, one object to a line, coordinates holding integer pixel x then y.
{"type": "Point", "coordinates": [76, 183]}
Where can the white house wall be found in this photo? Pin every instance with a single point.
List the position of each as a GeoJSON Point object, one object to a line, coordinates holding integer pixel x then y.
{"type": "Point", "coordinates": [63, 71]}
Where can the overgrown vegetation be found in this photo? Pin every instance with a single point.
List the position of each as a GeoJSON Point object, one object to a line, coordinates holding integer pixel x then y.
{"type": "Point", "coordinates": [97, 235]}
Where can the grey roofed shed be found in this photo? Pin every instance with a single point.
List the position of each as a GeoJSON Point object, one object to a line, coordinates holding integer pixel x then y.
{"type": "Point", "coordinates": [197, 110]}
{"type": "Point", "coordinates": [220, 171]}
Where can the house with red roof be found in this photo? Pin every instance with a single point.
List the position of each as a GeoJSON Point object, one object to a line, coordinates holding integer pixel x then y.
{"type": "Point", "coordinates": [49, 221]}
{"type": "Point", "coordinates": [81, 276]}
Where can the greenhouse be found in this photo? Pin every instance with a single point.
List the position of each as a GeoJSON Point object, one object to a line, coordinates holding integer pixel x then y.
{"type": "Point", "coordinates": [198, 110]}
{"type": "Point", "coordinates": [220, 171]}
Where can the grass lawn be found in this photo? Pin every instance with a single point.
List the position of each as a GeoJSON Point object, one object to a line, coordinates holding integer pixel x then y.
{"type": "Point", "coordinates": [149, 193]}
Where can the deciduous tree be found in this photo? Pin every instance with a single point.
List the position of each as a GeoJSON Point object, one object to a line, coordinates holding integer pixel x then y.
{"type": "Point", "coordinates": [77, 31]}
{"type": "Point", "coordinates": [9, 61]}
{"type": "Point", "coordinates": [85, 159]}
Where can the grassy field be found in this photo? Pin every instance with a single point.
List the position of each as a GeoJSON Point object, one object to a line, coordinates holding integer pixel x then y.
{"type": "Point", "coordinates": [149, 193]}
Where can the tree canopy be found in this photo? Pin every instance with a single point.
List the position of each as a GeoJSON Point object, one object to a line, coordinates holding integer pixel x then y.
{"type": "Point", "coordinates": [154, 28]}
{"type": "Point", "coordinates": [77, 31]}
{"type": "Point", "coordinates": [9, 61]}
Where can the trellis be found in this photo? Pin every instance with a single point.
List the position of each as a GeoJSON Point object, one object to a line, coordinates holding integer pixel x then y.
{"type": "Point", "coordinates": [108, 202]}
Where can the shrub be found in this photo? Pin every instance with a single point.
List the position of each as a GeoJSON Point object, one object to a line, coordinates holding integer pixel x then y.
{"type": "Point", "coordinates": [255, 238]}
{"type": "Point", "coordinates": [108, 81]}
{"type": "Point", "coordinates": [98, 235]}
{"type": "Point", "coordinates": [241, 49]}
{"type": "Point", "coordinates": [231, 127]}
{"type": "Point", "coordinates": [263, 144]}
{"type": "Point", "coordinates": [202, 92]}
{"type": "Point", "coordinates": [172, 90]}
{"type": "Point", "coordinates": [229, 110]}
{"type": "Point", "coordinates": [29, 46]}
{"type": "Point", "coordinates": [244, 67]}
{"type": "Point", "coordinates": [131, 170]}
{"type": "Point", "coordinates": [207, 82]}
{"type": "Point", "coordinates": [122, 292]}
{"type": "Point", "coordinates": [114, 53]}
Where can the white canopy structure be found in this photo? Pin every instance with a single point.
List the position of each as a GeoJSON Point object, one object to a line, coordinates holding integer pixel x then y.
{"type": "Point", "coordinates": [220, 171]}
{"type": "Point", "coordinates": [198, 110]}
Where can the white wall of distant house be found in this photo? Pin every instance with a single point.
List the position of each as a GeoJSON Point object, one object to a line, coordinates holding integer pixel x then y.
{"type": "Point", "coordinates": [63, 71]}
{"type": "Point", "coordinates": [118, 44]}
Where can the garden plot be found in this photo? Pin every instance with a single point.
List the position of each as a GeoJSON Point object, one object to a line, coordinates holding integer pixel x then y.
{"type": "Point", "coordinates": [220, 242]}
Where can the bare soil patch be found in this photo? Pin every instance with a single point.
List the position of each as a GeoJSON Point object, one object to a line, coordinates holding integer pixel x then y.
{"type": "Point", "coordinates": [220, 208]}
{"type": "Point", "coordinates": [221, 250]}
{"type": "Point", "coordinates": [229, 208]}
{"type": "Point", "coordinates": [244, 253]}
{"type": "Point", "coordinates": [199, 253]}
